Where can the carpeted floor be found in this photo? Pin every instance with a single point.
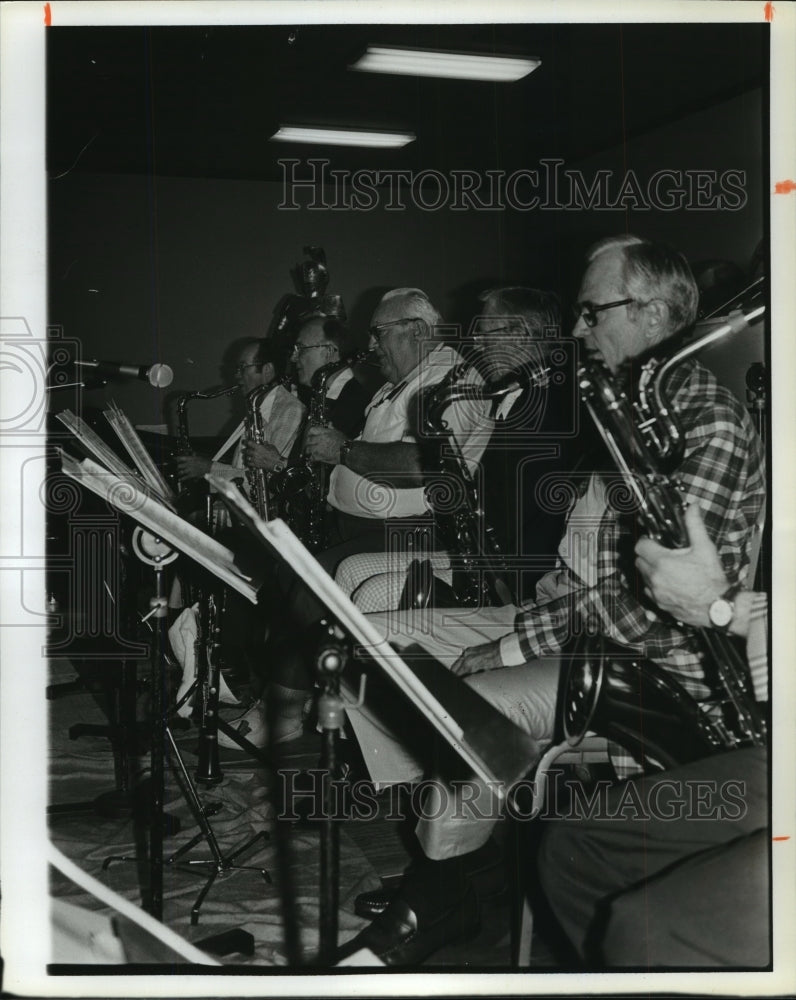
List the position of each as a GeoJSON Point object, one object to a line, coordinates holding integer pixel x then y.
{"type": "Point", "coordinates": [281, 916]}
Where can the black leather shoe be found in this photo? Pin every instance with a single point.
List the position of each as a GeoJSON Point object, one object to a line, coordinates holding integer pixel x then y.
{"type": "Point", "coordinates": [398, 937]}
{"type": "Point", "coordinates": [488, 876]}
{"type": "Point", "coordinates": [372, 904]}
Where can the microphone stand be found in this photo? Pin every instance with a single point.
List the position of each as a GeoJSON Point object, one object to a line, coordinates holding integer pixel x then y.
{"type": "Point", "coordinates": [330, 662]}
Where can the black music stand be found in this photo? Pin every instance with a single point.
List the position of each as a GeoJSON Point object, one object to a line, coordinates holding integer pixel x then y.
{"type": "Point", "coordinates": [157, 553]}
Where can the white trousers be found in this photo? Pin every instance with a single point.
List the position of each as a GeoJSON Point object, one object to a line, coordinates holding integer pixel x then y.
{"type": "Point", "coordinates": [457, 819]}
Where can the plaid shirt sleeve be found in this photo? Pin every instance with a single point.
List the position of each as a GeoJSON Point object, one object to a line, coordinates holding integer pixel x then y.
{"type": "Point", "coordinates": [723, 471]}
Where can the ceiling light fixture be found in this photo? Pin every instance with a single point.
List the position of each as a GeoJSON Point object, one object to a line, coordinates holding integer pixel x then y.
{"type": "Point", "coordinates": [453, 65]}
{"type": "Point", "coordinates": [341, 137]}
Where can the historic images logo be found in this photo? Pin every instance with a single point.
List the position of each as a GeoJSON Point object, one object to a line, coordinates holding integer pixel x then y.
{"type": "Point", "coordinates": [548, 187]}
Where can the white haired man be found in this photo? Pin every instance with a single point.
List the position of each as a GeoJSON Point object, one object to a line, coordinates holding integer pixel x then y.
{"type": "Point", "coordinates": [634, 295]}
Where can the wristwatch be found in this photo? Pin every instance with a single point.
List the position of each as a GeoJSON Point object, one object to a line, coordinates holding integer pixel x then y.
{"type": "Point", "coordinates": [722, 611]}
{"type": "Point", "coordinates": [345, 447]}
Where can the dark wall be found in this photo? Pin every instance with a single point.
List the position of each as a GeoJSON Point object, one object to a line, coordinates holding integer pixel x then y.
{"type": "Point", "coordinates": [173, 269]}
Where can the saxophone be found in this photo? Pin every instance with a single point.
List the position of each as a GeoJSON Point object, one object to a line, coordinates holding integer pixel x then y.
{"type": "Point", "coordinates": [310, 480]}
{"type": "Point", "coordinates": [258, 479]}
{"type": "Point", "coordinates": [480, 574]}
{"type": "Point", "coordinates": [606, 688]}
{"type": "Point", "coordinates": [189, 495]}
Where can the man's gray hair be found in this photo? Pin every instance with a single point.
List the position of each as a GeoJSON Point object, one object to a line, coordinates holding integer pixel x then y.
{"type": "Point", "coordinates": [416, 304]}
{"type": "Point", "coordinates": [538, 311]}
{"type": "Point", "coordinates": [655, 271]}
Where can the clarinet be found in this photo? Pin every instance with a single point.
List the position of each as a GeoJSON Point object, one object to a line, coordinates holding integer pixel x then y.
{"type": "Point", "coordinates": [208, 667]}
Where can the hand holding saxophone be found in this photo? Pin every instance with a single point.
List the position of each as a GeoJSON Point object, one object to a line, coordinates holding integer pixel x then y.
{"type": "Point", "coordinates": [257, 455]}
{"type": "Point", "coordinates": [192, 466]}
{"type": "Point", "coordinates": [684, 582]}
{"type": "Point", "coordinates": [323, 444]}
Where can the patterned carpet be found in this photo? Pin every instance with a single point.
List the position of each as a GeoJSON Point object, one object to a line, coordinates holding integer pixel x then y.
{"type": "Point", "coordinates": [282, 916]}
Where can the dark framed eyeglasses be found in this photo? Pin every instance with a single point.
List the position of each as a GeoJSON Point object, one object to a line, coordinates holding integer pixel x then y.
{"type": "Point", "coordinates": [481, 332]}
{"type": "Point", "coordinates": [379, 329]}
{"type": "Point", "coordinates": [589, 310]}
{"type": "Point", "coordinates": [240, 368]}
{"type": "Point", "coordinates": [299, 349]}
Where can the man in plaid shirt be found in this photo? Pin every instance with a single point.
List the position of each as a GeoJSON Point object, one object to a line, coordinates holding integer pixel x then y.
{"type": "Point", "coordinates": [634, 295]}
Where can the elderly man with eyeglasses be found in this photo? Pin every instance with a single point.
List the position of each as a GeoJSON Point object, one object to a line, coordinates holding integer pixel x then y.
{"type": "Point", "coordinates": [634, 295]}
{"type": "Point", "coordinates": [375, 490]}
{"type": "Point", "coordinates": [378, 475]}
{"type": "Point", "coordinates": [515, 336]}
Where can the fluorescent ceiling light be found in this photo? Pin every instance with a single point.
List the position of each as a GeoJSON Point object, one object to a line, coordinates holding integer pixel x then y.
{"type": "Point", "coordinates": [454, 65]}
{"type": "Point", "coordinates": [341, 136]}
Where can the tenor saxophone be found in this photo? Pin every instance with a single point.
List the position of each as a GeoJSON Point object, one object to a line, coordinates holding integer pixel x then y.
{"type": "Point", "coordinates": [190, 494]}
{"type": "Point", "coordinates": [605, 684]}
{"type": "Point", "coordinates": [310, 480]}
{"type": "Point", "coordinates": [258, 479]}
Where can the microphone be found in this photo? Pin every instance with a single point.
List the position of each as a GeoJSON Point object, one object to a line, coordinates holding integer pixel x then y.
{"type": "Point", "coordinates": [157, 375]}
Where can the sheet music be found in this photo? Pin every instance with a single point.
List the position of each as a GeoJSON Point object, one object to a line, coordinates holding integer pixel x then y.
{"type": "Point", "coordinates": [136, 449]}
{"type": "Point", "coordinates": [94, 443]}
{"type": "Point", "coordinates": [289, 547]}
{"type": "Point", "coordinates": [129, 498]}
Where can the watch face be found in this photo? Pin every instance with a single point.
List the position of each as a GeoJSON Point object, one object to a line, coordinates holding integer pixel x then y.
{"type": "Point", "coordinates": [720, 613]}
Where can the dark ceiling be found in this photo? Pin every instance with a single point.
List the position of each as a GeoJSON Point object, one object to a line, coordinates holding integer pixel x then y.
{"type": "Point", "coordinates": [202, 101]}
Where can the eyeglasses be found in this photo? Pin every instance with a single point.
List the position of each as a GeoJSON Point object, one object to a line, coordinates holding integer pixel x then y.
{"type": "Point", "coordinates": [299, 349]}
{"type": "Point", "coordinates": [588, 310]}
{"type": "Point", "coordinates": [241, 368]}
{"type": "Point", "coordinates": [480, 332]}
{"type": "Point", "coordinates": [379, 328]}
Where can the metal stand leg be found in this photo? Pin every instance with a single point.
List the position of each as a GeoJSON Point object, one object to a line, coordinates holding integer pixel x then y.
{"type": "Point", "coordinates": [219, 865]}
{"type": "Point", "coordinates": [330, 661]}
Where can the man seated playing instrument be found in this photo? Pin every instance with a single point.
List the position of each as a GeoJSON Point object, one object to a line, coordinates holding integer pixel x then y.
{"type": "Point", "coordinates": [375, 487]}
{"type": "Point", "coordinates": [321, 341]}
{"type": "Point", "coordinates": [634, 295]}
{"type": "Point", "coordinates": [688, 885]}
{"type": "Point", "coordinates": [259, 364]}
{"type": "Point", "coordinates": [516, 335]}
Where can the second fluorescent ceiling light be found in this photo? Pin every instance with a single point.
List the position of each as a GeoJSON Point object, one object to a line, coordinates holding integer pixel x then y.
{"type": "Point", "coordinates": [341, 137]}
{"type": "Point", "coordinates": [453, 65]}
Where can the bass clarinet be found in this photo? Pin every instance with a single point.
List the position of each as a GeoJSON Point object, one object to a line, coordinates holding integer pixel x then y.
{"type": "Point", "coordinates": [481, 575]}
{"type": "Point", "coordinates": [606, 688]}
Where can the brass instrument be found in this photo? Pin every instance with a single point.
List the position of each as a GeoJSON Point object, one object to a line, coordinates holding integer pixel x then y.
{"type": "Point", "coordinates": [258, 479]}
{"type": "Point", "coordinates": [191, 494]}
{"type": "Point", "coordinates": [311, 479]}
{"type": "Point", "coordinates": [642, 439]}
{"type": "Point", "coordinates": [480, 574]}
{"type": "Point", "coordinates": [183, 436]}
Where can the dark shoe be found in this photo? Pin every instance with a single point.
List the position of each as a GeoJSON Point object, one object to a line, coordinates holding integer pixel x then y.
{"type": "Point", "coordinates": [487, 874]}
{"type": "Point", "coordinates": [372, 904]}
{"type": "Point", "coordinates": [397, 937]}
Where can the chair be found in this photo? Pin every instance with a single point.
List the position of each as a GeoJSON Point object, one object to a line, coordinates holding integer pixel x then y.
{"type": "Point", "coordinates": [591, 749]}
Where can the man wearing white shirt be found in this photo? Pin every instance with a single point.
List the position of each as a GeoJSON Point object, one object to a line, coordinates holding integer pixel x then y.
{"type": "Point", "coordinates": [379, 475]}
{"type": "Point", "coordinates": [376, 485]}
{"type": "Point", "coordinates": [282, 415]}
